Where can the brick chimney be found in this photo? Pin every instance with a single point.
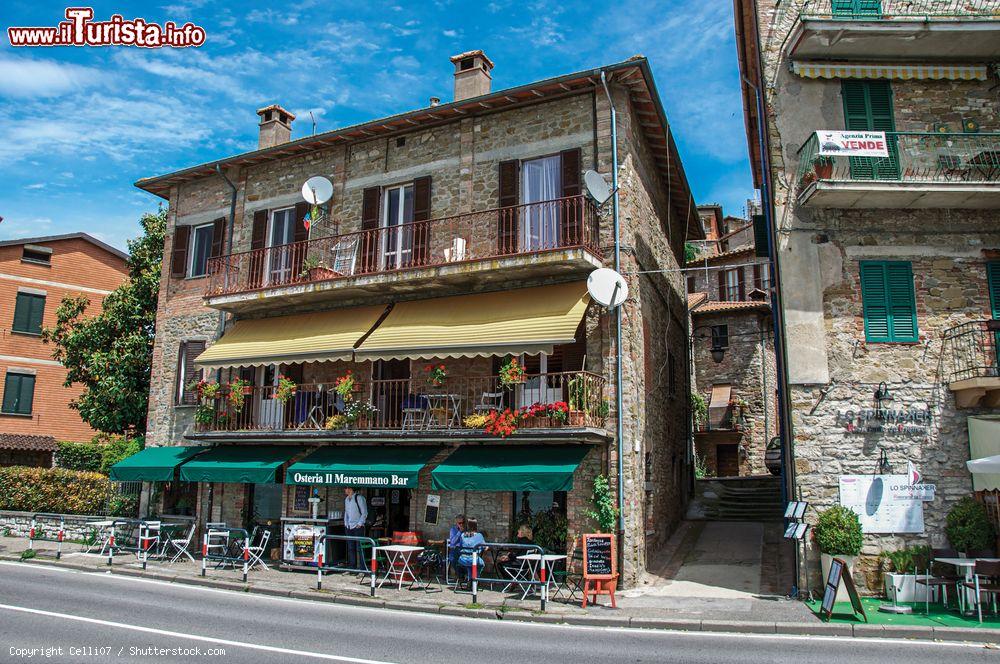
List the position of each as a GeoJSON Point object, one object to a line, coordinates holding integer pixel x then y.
{"type": "Point", "coordinates": [275, 126]}
{"type": "Point", "coordinates": [472, 74]}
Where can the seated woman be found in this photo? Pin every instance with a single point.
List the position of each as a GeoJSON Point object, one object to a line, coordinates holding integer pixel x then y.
{"type": "Point", "coordinates": [507, 561]}
{"type": "Point", "coordinates": [471, 540]}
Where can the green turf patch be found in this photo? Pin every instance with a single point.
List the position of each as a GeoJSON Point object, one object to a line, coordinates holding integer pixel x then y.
{"type": "Point", "coordinates": [939, 616]}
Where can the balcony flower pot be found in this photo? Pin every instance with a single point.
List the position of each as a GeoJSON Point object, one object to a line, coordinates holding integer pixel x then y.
{"type": "Point", "coordinates": [322, 273]}
{"type": "Point", "coordinates": [823, 166]}
{"type": "Point", "coordinates": [904, 587]}
{"type": "Point", "coordinates": [531, 422]}
{"type": "Point", "coordinates": [577, 418]}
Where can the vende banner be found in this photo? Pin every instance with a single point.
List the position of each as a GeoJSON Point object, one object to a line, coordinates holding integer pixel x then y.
{"type": "Point", "coordinates": [852, 143]}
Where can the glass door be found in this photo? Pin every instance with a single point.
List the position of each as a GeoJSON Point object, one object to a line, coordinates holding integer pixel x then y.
{"type": "Point", "coordinates": [541, 182]}
{"type": "Point", "coordinates": [280, 238]}
{"type": "Point", "coordinates": [397, 222]}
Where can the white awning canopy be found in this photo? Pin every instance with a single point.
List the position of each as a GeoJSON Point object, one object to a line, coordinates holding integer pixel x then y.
{"type": "Point", "coordinates": [903, 72]}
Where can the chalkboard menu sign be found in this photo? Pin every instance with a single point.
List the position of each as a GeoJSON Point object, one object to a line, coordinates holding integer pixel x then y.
{"type": "Point", "coordinates": [840, 571]}
{"type": "Point", "coordinates": [599, 556]}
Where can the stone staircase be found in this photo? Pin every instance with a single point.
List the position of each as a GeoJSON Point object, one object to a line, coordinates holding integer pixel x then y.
{"type": "Point", "coordinates": [737, 499]}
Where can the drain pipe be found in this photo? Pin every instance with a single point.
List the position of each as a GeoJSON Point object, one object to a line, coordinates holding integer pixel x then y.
{"type": "Point", "coordinates": [619, 432]}
{"type": "Point", "coordinates": [228, 246]}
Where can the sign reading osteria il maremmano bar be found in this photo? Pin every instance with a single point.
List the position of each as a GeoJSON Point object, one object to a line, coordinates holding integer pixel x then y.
{"type": "Point", "coordinates": [393, 466]}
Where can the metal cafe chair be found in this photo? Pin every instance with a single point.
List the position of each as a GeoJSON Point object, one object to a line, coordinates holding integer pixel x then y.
{"type": "Point", "coordinates": [428, 564]}
{"type": "Point", "coordinates": [180, 545]}
{"type": "Point", "coordinates": [257, 550]}
{"type": "Point", "coordinates": [985, 580]}
{"type": "Point", "coordinates": [489, 401]}
{"type": "Point", "coordinates": [416, 411]}
{"type": "Point", "coordinates": [939, 582]}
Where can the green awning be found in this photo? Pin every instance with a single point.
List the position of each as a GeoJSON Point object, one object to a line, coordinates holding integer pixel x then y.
{"type": "Point", "coordinates": [153, 464]}
{"type": "Point", "coordinates": [509, 468]}
{"type": "Point", "coordinates": [362, 465]}
{"type": "Point", "coordinates": [245, 464]}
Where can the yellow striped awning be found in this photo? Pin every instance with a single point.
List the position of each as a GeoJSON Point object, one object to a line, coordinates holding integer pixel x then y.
{"type": "Point", "coordinates": [314, 337]}
{"type": "Point", "coordinates": [525, 320]}
{"type": "Point", "coordinates": [904, 72]}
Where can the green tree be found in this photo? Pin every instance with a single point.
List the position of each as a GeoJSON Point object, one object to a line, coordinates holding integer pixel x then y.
{"type": "Point", "coordinates": [690, 252]}
{"type": "Point", "coordinates": [110, 354]}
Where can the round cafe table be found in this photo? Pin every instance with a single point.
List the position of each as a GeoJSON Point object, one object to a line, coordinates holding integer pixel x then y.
{"type": "Point", "coordinates": [534, 561]}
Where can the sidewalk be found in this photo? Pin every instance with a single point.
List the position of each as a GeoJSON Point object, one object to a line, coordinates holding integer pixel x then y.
{"type": "Point", "coordinates": [745, 613]}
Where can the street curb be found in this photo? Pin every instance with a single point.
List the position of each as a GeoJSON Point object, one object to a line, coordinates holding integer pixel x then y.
{"type": "Point", "coordinates": [913, 632]}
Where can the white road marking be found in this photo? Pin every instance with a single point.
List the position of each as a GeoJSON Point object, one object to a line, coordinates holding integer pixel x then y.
{"type": "Point", "coordinates": [194, 637]}
{"type": "Point", "coordinates": [634, 631]}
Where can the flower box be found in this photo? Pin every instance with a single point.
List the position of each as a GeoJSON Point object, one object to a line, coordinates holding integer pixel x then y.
{"type": "Point", "coordinates": [577, 418]}
{"type": "Point", "coordinates": [321, 273]}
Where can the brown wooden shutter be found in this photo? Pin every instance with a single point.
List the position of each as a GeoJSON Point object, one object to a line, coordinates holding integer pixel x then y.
{"type": "Point", "coordinates": [742, 284]}
{"type": "Point", "coordinates": [189, 350]}
{"type": "Point", "coordinates": [421, 219]}
{"type": "Point", "coordinates": [301, 234]}
{"type": "Point", "coordinates": [178, 370]}
{"type": "Point", "coordinates": [179, 252]}
{"type": "Point", "coordinates": [571, 212]}
{"type": "Point", "coordinates": [758, 281]}
{"type": "Point", "coordinates": [218, 237]}
{"type": "Point", "coordinates": [258, 241]}
{"type": "Point", "coordinates": [371, 198]}
{"type": "Point", "coordinates": [507, 219]}
{"type": "Point", "coordinates": [722, 285]}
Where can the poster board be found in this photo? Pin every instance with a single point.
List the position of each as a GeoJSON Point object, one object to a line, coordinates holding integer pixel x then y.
{"type": "Point", "coordinates": [840, 571]}
{"type": "Point", "coordinates": [884, 503]}
{"type": "Point", "coordinates": [432, 509]}
{"type": "Point", "coordinates": [301, 500]}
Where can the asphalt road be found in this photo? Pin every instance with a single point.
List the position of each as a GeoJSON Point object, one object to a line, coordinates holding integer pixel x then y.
{"type": "Point", "coordinates": [116, 618]}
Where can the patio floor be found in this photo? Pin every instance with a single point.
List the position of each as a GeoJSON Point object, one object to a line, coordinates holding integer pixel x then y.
{"type": "Point", "coordinates": [938, 617]}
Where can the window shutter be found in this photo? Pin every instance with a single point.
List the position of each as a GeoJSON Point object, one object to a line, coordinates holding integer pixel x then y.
{"type": "Point", "coordinates": [22, 312]}
{"type": "Point", "coordinates": [26, 396]}
{"type": "Point", "coordinates": [993, 281]}
{"type": "Point", "coordinates": [11, 389]}
{"type": "Point", "coordinates": [218, 237]}
{"type": "Point", "coordinates": [722, 285]}
{"type": "Point", "coordinates": [300, 234]}
{"type": "Point", "coordinates": [421, 221]}
{"type": "Point", "coordinates": [18, 394]}
{"type": "Point", "coordinates": [189, 351]}
{"type": "Point", "coordinates": [875, 301]}
{"type": "Point", "coordinates": [179, 252]}
{"type": "Point", "coordinates": [868, 107]}
{"type": "Point", "coordinates": [742, 284]}
{"type": "Point", "coordinates": [258, 241]}
{"type": "Point", "coordinates": [507, 219]}
{"type": "Point", "coordinates": [902, 301]}
{"type": "Point", "coordinates": [574, 354]}
{"type": "Point", "coordinates": [572, 210]}
{"type": "Point", "coordinates": [760, 233]}
{"type": "Point", "coordinates": [758, 281]}
{"type": "Point", "coordinates": [371, 198]}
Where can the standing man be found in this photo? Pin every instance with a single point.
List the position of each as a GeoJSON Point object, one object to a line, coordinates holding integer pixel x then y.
{"type": "Point", "coordinates": [355, 516]}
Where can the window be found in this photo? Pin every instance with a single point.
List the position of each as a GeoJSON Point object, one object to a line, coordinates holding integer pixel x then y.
{"type": "Point", "coordinates": [39, 255]}
{"type": "Point", "coordinates": [28, 311]}
{"type": "Point", "coordinates": [282, 234]}
{"type": "Point", "coordinates": [187, 372]}
{"type": "Point", "coordinates": [692, 284]}
{"type": "Point", "coordinates": [868, 107]}
{"type": "Point", "coordinates": [18, 393]}
{"type": "Point", "coordinates": [397, 240]}
{"type": "Point", "coordinates": [888, 301]}
{"type": "Point", "coordinates": [201, 249]}
{"type": "Point", "coordinates": [720, 336]}
{"type": "Point", "coordinates": [541, 180]}
{"type": "Point", "coordinates": [730, 285]}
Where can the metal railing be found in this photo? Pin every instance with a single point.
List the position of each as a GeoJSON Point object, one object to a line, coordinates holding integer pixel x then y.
{"type": "Point", "coordinates": [970, 350]}
{"type": "Point", "coordinates": [501, 232]}
{"type": "Point", "coordinates": [37, 531]}
{"type": "Point", "coordinates": [414, 404]}
{"type": "Point", "coordinates": [888, 10]}
{"type": "Point", "coordinates": [918, 157]}
{"type": "Point", "coordinates": [371, 570]}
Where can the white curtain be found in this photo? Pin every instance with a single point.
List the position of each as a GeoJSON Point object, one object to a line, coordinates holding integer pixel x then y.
{"type": "Point", "coordinates": [541, 182]}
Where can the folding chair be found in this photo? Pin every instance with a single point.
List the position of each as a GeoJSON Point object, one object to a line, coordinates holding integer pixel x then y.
{"type": "Point", "coordinates": [345, 254]}
{"type": "Point", "coordinates": [257, 551]}
{"type": "Point", "coordinates": [489, 401]}
{"type": "Point", "coordinates": [428, 563]}
{"type": "Point", "coordinates": [567, 579]}
{"type": "Point", "coordinates": [415, 411]}
{"type": "Point", "coordinates": [180, 545]}
{"type": "Point", "coordinates": [985, 581]}
{"type": "Point", "coordinates": [941, 581]}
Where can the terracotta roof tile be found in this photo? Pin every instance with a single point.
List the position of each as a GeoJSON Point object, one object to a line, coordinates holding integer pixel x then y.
{"type": "Point", "coordinates": [712, 260]}
{"type": "Point", "coordinates": [714, 307]}
{"type": "Point", "coordinates": [23, 441]}
{"type": "Point", "coordinates": [694, 299]}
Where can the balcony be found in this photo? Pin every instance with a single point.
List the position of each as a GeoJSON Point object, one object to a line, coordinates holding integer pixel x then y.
{"type": "Point", "coordinates": [446, 255]}
{"type": "Point", "coordinates": [897, 30]}
{"type": "Point", "coordinates": [970, 363]}
{"type": "Point", "coordinates": [409, 409]}
{"type": "Point", "coordinates": [923, 170]}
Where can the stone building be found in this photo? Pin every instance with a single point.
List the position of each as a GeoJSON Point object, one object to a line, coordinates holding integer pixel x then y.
{"type": "Point", "coordinates": [35, 275]}
{"type": "Point", "coordinates": [732, 348]}
{"type": "Point", "coordinates": [888, 266]}
{"type": "Point", "coordinates": [458, 238]}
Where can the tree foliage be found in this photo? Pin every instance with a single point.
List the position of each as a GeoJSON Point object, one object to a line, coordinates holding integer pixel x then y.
{"type": "Point", "coordinates": [110, 354]}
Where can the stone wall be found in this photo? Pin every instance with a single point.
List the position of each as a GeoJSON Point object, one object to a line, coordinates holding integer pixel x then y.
{"type": "Point", "coordinates": [19, 524]}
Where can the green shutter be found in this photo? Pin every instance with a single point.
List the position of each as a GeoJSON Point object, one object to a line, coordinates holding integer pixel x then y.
{"type": "Point", "coordinates": [28, 311]}
{"type": "Point", "coordinates": [888, 301]}
{"type": "Point", "coordinates": [760, 236]}
{"type": "Point", "coordinates": [18, 393]}
{"type": "Point", "coordinates": [868, 107]}
{"type": "Point", "coordinates": [853, 8]}
{"type": "Point", "coordinates": [993, 280]}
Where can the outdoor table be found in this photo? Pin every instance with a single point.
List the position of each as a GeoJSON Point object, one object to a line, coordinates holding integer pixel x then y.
{"type": "Point", "coordinates": [534, 562]}
{"type": "Point", "coordinates": [398, 553]}
{"type": "Point", "coordinates": [447, 407]}
{"type": "Point", "coordinates": [103, 534]}
{"type": "Point", "coordinates": [967, 566]}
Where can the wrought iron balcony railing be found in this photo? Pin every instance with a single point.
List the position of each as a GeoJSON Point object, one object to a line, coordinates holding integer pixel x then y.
{"type": "Point", "coordinates": [970, 351]}
{"type": "Point", "coordinates": [511, 231]}
{"type": "Point", "coordinates": [409, 404]}
{"type": "Point", "coordinates": [913, 157]}
{"type": "Point", "coordinates": [868, 10]}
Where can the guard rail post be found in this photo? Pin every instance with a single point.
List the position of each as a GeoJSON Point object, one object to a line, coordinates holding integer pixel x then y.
{"type": "Point", "coordinates": [319, 568]}
{"type": "Point", "coordinates": [475, 574]}
{"type": "Point", "coordinates": [246, 556]}
{"type": "Point", "coordinates": [60, 537]}
{"type": "Point", "coordinates": [31, 534]}
{"type": "Point", "coordinates": [374, 567]}
{"type": "Point", "coordinates": [204, 551]}
{"type": "Point", "coordinates": [545, 585]}
{"type": "Point", "coordinates": [111, 545]}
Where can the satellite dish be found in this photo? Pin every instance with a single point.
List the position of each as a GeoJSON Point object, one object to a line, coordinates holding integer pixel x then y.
{"type": "Point", "coordinates": [317, 190]}
{"type": "Point", "coordinates": [607, 287]}
{"type": "Point", "coordinates": [597, 187]}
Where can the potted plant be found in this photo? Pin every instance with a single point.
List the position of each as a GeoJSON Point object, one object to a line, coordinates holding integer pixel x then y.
{"type": "Point", "coordinates": [344, 386]}
{"type": "Point", "coordinates": [807, 179]}
{"type": "Point", "coordinates": [579, 398]}
{"type": "Point", "coordinates": [205, 389]}
{"type": "Point", "coordinates": [968, 527]}
{"type": "Point", "coordinates": [285, 389]}
{"type": "Point", "coordinates": [900, 571]}
{"type": "Point", "coordinates": [823, 167]}
{"type": "Point", "coordinates": [558, 412]}
{"type": "Point", "coordinates": [476, 421]}
{"type": "Point", "coordinates": [511, 373]}
{"type": "Point", "coordinates": [359, 414]}
{"type": "Point", "coordinates": [337, 421]}
{"type": "Point", "coordinates": [314, 269]}
{"type": "Point", "coordinates": [238, 391]}
{"type": "Point", "coordinates": [838, 535]}
{"type": "Point", "coordinates": [204, 414]}
{"type": "Point", "coordinates": [503, 424]}
{"type": "Point", "coordinates": [533, 416]}
{"type": "Point", "coordinates": [436, 374]}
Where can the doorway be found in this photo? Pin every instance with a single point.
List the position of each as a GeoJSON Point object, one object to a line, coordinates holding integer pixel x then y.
{"type": "Point", "coordinates": [391, 385]}
{"type": "Point", "coordinates": [397, 238]}
{"type": "Point", "coordinates": [389, 511]}
{"type": "Point", "coordinates": [727, 460]}
{"type": "Point", "coordinates": [541, 180]}
{"type": "Point", "coordinates": [280, 239]}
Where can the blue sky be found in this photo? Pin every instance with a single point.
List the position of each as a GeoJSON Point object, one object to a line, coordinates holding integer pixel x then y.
{"type": "Point", "coordinates": [80, 125]}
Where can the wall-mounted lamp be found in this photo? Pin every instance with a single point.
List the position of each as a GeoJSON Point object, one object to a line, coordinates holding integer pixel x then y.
{"type": "Point", "coordinates": [881, 395]}
{"type": "Point", "coordinates": [718, 352]}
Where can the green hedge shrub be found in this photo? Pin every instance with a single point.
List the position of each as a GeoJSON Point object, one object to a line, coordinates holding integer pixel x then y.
{"type": "Point", "coordinates": [102, 452]}
{"type": "Point", "coordinates": [838, 532]}
{"type": "Point", "coordinates": [968, 526]}
{"type": "Point", "coordinates": [53, 490]}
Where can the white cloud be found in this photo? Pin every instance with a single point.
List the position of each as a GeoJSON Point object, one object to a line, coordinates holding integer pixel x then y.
{"type": "Point", "coordinates": [35, 185]}
{"type": "Point", "coordinates": [25, 78]}
{"type": "Point", "coordinates": [15, 226]}
{"type": "Point", "coordinates": [450, 33]}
